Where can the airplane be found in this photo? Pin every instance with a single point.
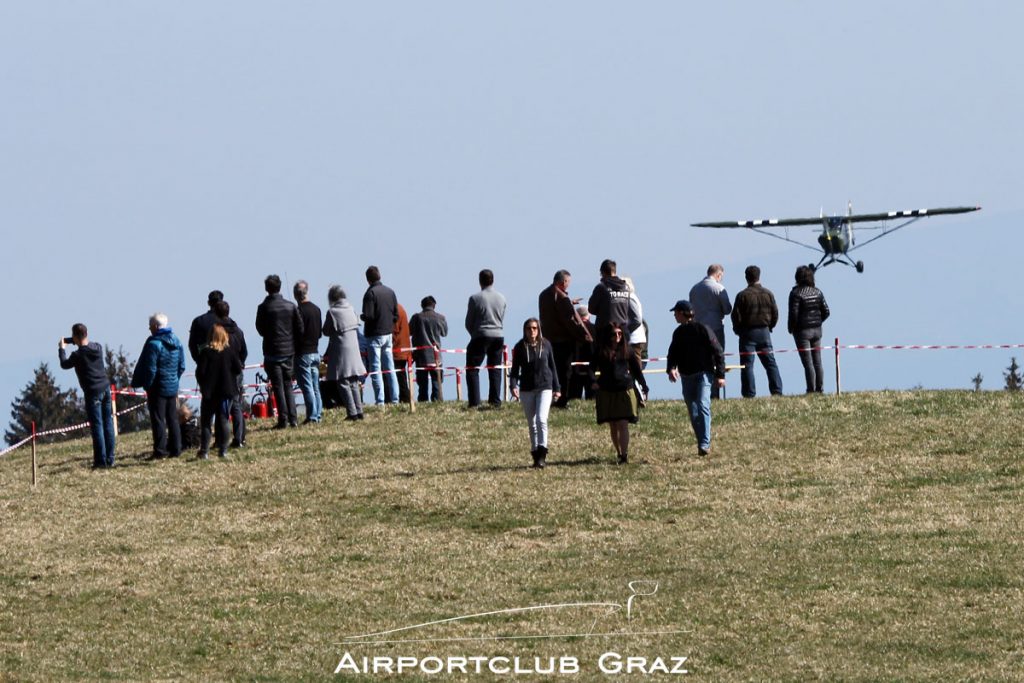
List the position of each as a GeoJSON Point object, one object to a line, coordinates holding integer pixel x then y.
{"type": "Point", "coordinates": [836, 238]}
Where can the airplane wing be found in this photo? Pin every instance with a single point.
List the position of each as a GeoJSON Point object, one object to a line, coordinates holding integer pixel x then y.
{"type": "Point", "coordinates": [913, 213]}
{"type": "Point", "coordinates": [855, 218]}
{"type": "Point", "coordinates": [761, 223]}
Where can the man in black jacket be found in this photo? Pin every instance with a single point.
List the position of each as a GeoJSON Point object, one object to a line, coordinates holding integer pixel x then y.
{"type": "Point", "coordinates": [236, 339]}
{"type": "Point", "coordinates": [426, 328]}
{"type": "Point", "coordinates": [199, 333]}
{"type": "Point", "coordinates": [754, 316]}
{"type": "Point", "coordinates": [87, 361]}
{"type": "Point", "coordinates": [380, 313]}
{"type": "Point", "coordinates": [279, 323]}
{"type": "Point", "coordinates": [696, 357]}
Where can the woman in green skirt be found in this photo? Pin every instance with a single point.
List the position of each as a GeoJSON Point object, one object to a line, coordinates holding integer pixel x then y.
{"type": "Point", "coordinates": [618, 372]}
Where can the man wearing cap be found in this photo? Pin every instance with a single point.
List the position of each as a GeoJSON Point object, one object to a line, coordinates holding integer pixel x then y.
{"type": "Point", "coordinates": [711, 304]}
{"type": "Point", "coordinates": [696, 357]}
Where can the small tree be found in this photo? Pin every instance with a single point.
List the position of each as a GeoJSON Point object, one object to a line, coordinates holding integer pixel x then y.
{"type": "Point", "coordinates": [1014, 380]}
{"type": "Point", "coordinates": [119, 374]}
{"type": "Point", "coordinates": [976, 381]}
{"type": "Point", "coordinates": [43, 402]}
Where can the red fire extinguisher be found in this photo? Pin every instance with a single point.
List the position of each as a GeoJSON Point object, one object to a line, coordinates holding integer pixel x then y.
{"type": "Point", "coordinates": [259, 406]}
{"type": "Point", "coordinates": [262, 407]}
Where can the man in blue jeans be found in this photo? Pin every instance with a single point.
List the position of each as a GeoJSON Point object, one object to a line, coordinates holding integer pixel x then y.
{"type": "Point", "coordinates": [87, 361]}
{"type": "Point", "coordinates": [485, 316]}
{"type": "Point", "coordinates": [307, 352]}
{"type": "Point", "coordinates": [754, 316]}
{"type": "Point", "coordinates": [380, 313]}
{"type": "Point", "coordinates": [696, 357]}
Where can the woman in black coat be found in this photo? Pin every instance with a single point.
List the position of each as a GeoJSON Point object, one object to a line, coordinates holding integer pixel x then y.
{"type": "Point", "coordinates": [807, 311]}
{"type": "Point", "coordinates": [217, 372]}
{"type": "Point", "coordinates": [620, 372]}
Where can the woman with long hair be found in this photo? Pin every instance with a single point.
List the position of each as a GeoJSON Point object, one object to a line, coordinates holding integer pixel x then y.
{"type": "Point", "coordinates": [618, 370]}
{"type": "Point", "coordinates": [534, 381]}
{"type": "Point", "coordinates": [217, 372]}
{"type": "Point", "coordinates": [807, 311]}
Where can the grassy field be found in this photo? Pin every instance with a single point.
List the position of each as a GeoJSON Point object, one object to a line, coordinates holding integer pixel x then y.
{"type": "Point", "coordinates": [873, 537]}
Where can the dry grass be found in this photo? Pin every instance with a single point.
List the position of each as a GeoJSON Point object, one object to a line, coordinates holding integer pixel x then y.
{"type": "Point", "coordinates": [876, 537]}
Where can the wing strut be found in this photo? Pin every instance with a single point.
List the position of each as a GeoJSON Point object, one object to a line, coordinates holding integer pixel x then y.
{"type": "Point", "coordinates": [787, 239]}
{"type": "Point", "coordinates": [885, 231]}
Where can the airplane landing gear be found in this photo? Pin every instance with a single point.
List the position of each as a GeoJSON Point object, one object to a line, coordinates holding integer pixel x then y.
{"type": "Point", "coordinates": [859, 265]}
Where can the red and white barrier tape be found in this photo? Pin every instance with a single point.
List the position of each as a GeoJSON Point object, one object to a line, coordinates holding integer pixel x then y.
{"type": "Point", "coordinates": [458, 369]}
{"type": "Point", "coordinates": [16, 446]}
{"type": "Point", "coordinates": [62, 430]}
{"type": "Point", "coordinates": [926, 347]}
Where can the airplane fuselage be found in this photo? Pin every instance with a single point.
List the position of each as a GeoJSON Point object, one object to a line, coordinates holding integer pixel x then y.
{"type": "Point", "coordinates": [836, 235]}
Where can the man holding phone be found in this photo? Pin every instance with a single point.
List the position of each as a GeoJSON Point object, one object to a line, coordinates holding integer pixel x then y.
{"type": "Point", "coordinates": [87, 361]}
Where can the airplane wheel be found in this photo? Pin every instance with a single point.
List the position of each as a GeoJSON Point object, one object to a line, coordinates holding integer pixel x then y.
{"type": "Point", "coordinates": [812, 267]}
{"type": "Point", "coordinates": [859, 266]}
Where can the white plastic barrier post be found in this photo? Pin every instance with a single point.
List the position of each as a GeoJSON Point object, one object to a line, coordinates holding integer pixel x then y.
{"type": "Point", "coordinates": [837, 367]}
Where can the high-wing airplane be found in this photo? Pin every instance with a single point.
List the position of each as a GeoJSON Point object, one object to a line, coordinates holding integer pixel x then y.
{"type": "Point", "coordinates": [836, 238]}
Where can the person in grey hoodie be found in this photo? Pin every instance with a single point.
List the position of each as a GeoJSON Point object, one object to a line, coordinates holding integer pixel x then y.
{"type": "Point", "coordinates": [485, 317]}
{"type": "Point", "coordinates": [160, 366]}
{"type": "Point", "coordinates": [87, 361]}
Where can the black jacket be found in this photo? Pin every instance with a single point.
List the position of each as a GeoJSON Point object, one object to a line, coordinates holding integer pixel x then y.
{"type": "Point", "coordinates": [312, 328]}
{"type": "Point", "coordinates": [754, 307]}
{"type": "Point", "coordinates": [533, 368]}
{"type": "Point", "coordinates": [610, 303]}
{"type": "Point", "coordinates": [279, 323]}
{"type": "Point", "coordinates": [235, 337]}
{"type": "Point", "coordinates": [199, 333]}
{"type": "Point", "coordinates": [694, 349]}
{"type": "Point", "coordinates": [380, 310]}
{"type": "Point", "coordinates": [426, 328]}
{"type": "Point", "coordinates": [217, 372]}
{"type": "Point", "coordinates": [807, 308]}
{"type": "Point", "coordinates": [617, 374]}
{"type": "Point", "coordinates": [88, 364]}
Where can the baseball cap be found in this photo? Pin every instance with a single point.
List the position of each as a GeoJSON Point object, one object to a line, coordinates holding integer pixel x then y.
{"type": "Point", "coordinates": [682, 305]}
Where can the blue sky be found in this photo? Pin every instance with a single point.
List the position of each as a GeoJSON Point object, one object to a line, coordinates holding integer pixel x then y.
{"type": "Point", "coordinates": [150, 152]}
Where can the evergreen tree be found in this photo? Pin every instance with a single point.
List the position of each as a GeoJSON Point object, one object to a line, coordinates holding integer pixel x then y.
{"type": "Point", "coordinates": [119, 372]}
{"type": "Point", "coordinates": [976, 381]}
{"type": "Point", "coordinates": [43, 402]}
{"type": "Point", "coordinates": [1014, 380]}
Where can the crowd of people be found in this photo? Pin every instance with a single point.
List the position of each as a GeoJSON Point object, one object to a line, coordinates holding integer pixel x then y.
{"type": "Point", "coordinates": [569, 351]}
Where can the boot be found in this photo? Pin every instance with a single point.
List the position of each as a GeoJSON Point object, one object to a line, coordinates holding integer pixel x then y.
{"type": "Point", "coordinates": [535, 454]}
{"type": "Point", "coordinates": [542, 456]}
{"type": "Point", "coordinates": [623, 458]}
